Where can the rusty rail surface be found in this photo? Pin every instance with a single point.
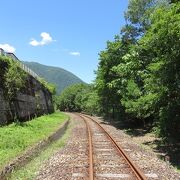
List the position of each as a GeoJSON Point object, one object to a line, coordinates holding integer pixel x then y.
{"type": "Point", "coordinates": [91, 170]}
{"type": "Point", "coordinates": [138, 173]}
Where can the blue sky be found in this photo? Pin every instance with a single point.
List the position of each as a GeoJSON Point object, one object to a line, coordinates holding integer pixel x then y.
{"type": "Point", "coordinates": [63, 33]}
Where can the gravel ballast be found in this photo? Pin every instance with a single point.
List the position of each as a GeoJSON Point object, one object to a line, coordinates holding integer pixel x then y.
{"type": "Point", "coordinates": [147, 160]}
{"type": "Point", "coordinates": [71, 162]}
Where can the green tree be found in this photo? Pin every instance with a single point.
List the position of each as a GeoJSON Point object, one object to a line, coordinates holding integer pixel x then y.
{"type": "Point", "coordinates": [108, 98]}
{"type": "Point", "coordinates": [12, 76]}
{"type": "Point", "coordinates": [68, 98]}
{"type": "Point", "coordinates": [163, 77]}
{"type": "Point", "coordinates": [89, 100]}
{"type": "Point", "coordinates": [148, 78]}
{"type": "Point", "coordinates": [79, 97]}
{"type": "Point", "coordinates": [141, 72]}
{"type": "Point", "coordinates": [138, 18]}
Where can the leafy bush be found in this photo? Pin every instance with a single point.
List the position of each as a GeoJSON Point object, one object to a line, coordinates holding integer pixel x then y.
{"type": "Point", "coordinates": [13, 76]}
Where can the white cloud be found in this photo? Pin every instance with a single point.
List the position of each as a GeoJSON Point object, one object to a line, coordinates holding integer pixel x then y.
{"type": "Point", "coordinates": [46, 39]}
{"type": "Point", "coordinates": [33, 42]}
{"type": "Point", "coordinates": [75, 53]}
{"type": "Point", "coordinates": [8, 48]}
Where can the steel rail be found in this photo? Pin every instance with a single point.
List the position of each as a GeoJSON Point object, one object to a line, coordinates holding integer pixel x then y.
{"type": "Point", "coordinates": [139, 174]}
{"type": "Point", "coordinates": [91, 169]}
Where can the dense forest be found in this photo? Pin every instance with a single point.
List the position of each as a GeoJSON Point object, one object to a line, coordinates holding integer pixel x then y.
{"type": "Point", "coordinates": [138, 76]}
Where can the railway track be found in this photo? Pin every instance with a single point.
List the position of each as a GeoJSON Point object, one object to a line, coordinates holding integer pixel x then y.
{"type": "Point", "coordinates": [107, 160]}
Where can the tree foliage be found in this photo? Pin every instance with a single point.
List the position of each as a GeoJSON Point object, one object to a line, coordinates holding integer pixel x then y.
{"type": "Point", "coordinates": [79, 97]}
{"type": "Point", "coordinates": [12, 76]}
{"type": "Point", "coordinates": [138, 77]}
{"type": "Point", "coordinates": [50, 86]}
{"type": "Point", "coordinates": [142, 74]}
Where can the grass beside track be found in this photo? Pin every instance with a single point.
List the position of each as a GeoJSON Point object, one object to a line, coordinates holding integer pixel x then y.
{"type": "Point", "coordinates": [17, 137]}
{"type": "Point", "coordinates": [31, 170]}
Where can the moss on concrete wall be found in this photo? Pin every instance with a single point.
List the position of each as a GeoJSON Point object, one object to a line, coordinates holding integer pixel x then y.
{"type": "Point", "coordinates": [33, 99]}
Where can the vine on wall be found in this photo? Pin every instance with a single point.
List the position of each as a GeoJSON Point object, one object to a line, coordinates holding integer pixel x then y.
{"type": "Point", "coordinates": [13, 77]}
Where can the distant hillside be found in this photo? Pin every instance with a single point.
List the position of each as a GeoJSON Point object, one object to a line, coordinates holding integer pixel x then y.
{"type": "Point", "coordinates": [56, 75]}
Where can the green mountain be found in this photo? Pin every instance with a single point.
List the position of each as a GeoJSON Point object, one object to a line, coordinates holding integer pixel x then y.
{"type": "Point", "coordinates": [55, 75]}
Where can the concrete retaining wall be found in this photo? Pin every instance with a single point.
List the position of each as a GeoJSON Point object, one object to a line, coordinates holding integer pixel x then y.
{"type": "Point", "coordinates": [33, 100]}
